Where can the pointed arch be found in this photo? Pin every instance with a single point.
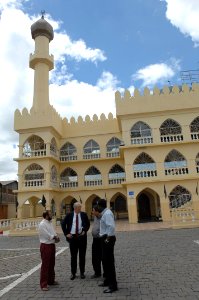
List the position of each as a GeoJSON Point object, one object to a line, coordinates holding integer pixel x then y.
{"type": "Point", "coordinates": [179, 196]}
{"type": "Point", "coordinates": [175, 163]}
{"type": "Point", "coordinates": [68, 152]}
{"type": "Point", "coordinates": [92, 177]}
{"type": "Point", "coordinates": [91, 150]}
{"type": "Point", "coordinates": [34, 146]}
{"type": "Point", "coordinates": [194, 126]}
{"type": "Point", "coordinates": [197, 162]}
{"type": "Point", "coordinates": [33, 175]}
{"type": "Point", "coordinates": [112, 147]}
{"type": "Point", "coordinates": [170, 131]}
{"type": "Point", "coordinates": [194, 129]}
{"type": "Point", "coordinates": [118, 205]}
{"type": "Point", "coordinates": [68, 178]}
{"type": "Point", "coordinates": [116, 174]}
{"type": "Point", "coordinates": [144, 166]}
{"type": "Point", "coordinates": [53, 147]}
{"type": "Point", "coordinates": [54, 176]}
{"type": "Point", "coordinates": [141, 133]}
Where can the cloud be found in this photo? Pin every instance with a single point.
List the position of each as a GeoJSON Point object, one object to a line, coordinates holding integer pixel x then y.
{"type": "Point", "coordinates": [157, 73]}
{"type": "Point", "coordinates": [76, 98]}
{"type": "Point", "coordinates": [68, 95]}
{"type": "Point", "coordinates": [183, 14]}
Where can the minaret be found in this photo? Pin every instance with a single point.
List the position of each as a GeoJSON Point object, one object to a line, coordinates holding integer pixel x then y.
{"type": "Point", "coordinates": [42, 63]}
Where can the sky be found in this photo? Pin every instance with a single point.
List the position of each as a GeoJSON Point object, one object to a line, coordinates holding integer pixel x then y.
{"type": "Point", "coordinates": [99, 47]}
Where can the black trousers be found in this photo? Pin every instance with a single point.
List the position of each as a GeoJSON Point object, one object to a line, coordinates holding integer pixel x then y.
{"type": "Point", "coordinates": [109, 262]}
{"type": "Point", "coordinates": [78, 244]}
{"type": "Point", "coordinates": [97, 256]}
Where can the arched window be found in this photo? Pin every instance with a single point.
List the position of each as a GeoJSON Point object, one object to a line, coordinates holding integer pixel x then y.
{"type": "Point", "coordinates": [53, 176]}
{"type": "Point", "coordinates": [197, 163]}
{"type": "Point", "coordinates": [68, 178]}
{"type": "Point", "coordinates": [68, 152]}
{"type": "Point", "coordinates": [141, 133]}
{"type": "Point", "coordinates": [116, 174]}
{"type": "Point", "coordinates": [175, 163]}
{"type": "Point", "coordinates": [53, 147]}
{"type": "Point", "coordinates": [92, 177]}
{"type": "Point", "coordinates": [34, 175]}
{"type": "Point", "coordinates": [194, 129]}
{"type": "Point", "coordinates": [144, 166]}
{"type": "Point", "coordinates": [179, 196]}
{"type": "Point", "coordinates": [34, 146]}
{"type": "Point", "coordinates": [112, 147]}
{"type": "Point", "coordinates": [91, 150]}
{"type": "Point", "coordinates": [170, 131]}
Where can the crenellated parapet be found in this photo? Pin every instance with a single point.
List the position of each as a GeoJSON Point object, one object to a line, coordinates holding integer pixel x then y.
{"type": "Point", "coordinates": [90, 126]}
{"type": "Point", "coordinates": [166, 99]}
{"type": "Point", "coordinates": [37, 119]}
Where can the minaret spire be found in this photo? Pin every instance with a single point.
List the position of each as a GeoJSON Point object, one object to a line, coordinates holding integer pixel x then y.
{"type": "Point", "coordinates": [41, 62]}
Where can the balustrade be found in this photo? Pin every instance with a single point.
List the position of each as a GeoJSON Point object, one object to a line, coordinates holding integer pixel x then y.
{"type": "Point", "coordinates": [195, 136]}
{"type": "Point", "coordinates": [112, 154]}
{"type": "Point", "coordinates": [171, 138]}
{"type": "Point", "coordinates": [176, 171]}
{"type": "Point", "coordinates": [68, 184]}
{"type": "Point", "coordinates": [116, 180]}
{"type": "Point", "coordinates": [91, 155]}
{"type": "Point", "coordinates": [33, 153]}
{"type": "Point", "coordinates": [92, 182]}
{"type": "Point", "coordinates": [145, 173]}
{"type": "Point", "coordinates": [142, 140]}
{"type": "Point", "coordinates": [34, 183]}
{"type": "Point", "coordinates": [5, 223]}
{"type": "Point", "coordinates": [68, 157]}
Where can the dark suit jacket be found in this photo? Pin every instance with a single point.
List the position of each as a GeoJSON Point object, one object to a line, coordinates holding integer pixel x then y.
{"type": "Point", "coordinates": [67, 222]}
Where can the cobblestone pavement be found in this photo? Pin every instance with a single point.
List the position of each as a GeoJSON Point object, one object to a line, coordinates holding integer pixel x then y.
{"type": "Point", "coordinates": [156, 264]}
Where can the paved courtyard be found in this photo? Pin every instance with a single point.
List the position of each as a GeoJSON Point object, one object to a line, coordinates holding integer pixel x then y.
{"type": "Point", "coordinates": [150, 264]}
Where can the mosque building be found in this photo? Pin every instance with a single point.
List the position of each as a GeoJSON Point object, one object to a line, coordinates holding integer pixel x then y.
{"type": "Point", "coordinates": [144, 161]}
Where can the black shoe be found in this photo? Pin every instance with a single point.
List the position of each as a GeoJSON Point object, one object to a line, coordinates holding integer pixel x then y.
{"type": "Point", "coordinates": [110, 290]}
{"type": "Point", "coordinates": [103, 284]}
{"type": "Point", "coordinates": [72, 277]}
{"type": "Point", "coordinates": [95, 276]}
{"type": "Point", "coordinates": [82, 276]}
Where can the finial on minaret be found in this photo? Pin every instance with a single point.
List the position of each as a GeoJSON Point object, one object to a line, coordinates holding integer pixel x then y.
{"type": "Point", "coordinates": [43, 14]}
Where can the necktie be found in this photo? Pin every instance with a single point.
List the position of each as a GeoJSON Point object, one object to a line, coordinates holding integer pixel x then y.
{"type": "Point", "coordinates": [77, 225]}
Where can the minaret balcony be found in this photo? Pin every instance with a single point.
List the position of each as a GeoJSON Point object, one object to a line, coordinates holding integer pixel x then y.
{"type": "Point", "coordinates": [35, 59]}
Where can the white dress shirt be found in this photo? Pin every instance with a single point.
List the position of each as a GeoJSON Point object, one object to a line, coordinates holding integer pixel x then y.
{"type": "Point", "coordinates": [107, 223]}
{"type": "Point", "coordinates": [73, 228]}
{"type": "Point", "coordinates": [46, 232]}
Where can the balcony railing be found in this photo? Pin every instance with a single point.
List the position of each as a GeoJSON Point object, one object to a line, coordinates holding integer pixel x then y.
{"type": "Point", "coordinates": [68, 184]}
{"type": "Point", "coordinates": [33, 153]}
{"type": "Point", "coordinates": [195, 136]}
{"type": "Point", "coordinates": [92, 182]}
{"type": "Point", "coordinates": [176, 171]}
{"type": "Point", "coordinates": [141, 174]}
{"type": "Point", "coordinates": [171, 138]}
{"type": "Point", "coordinates": [112, 154]}
{"type": "Point", "coordinates": [91, 155]}
{"type": "Point", "coordinates": [116, 180]}
{"type": "Point", "coordinates": [142, 140]}
{"type": "Point", "coordinates": [68, 157]}
{"type": "Point", "coordinates": [34, 183]}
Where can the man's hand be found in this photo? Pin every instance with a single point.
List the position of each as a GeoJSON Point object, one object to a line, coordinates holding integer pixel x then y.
{"type": "Point", "coordinates": [57, 239]}
{"type": "Point", "coordinates": [69, 236]}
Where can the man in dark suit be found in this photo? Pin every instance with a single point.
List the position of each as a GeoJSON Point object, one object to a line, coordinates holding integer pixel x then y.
{"type": "Point", "coordinates": [75, 226]}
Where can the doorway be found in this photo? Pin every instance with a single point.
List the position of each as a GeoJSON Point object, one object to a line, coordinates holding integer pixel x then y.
{"type": "Point", "coordinates": [144, 209]}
